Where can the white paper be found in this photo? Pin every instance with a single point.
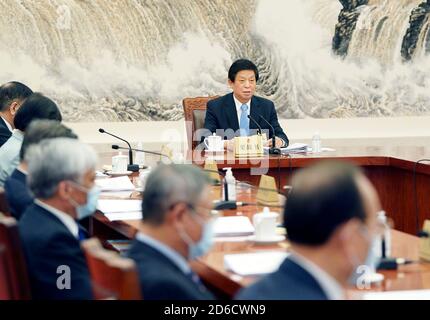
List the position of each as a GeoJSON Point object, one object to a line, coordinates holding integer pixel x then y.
{"type": "Point", "coordinates": [116, 216]}
{"type": "Point", "coordinates": [233, 226]}
{"type": "Point", "coordinates": [398, 295]}
{"type": "Point", "coordinates": [295, 147]}
{"type": "Point", "coordinates": [117, 194]}
{"type": "Point", "coordinates": [256, 263]}
{"type": "Point", "coordinates": [115, 184]}
{"type": "Point", "coordinates": [116, 206]}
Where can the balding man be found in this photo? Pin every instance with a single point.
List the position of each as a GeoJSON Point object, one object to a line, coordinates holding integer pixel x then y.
{"type": "Point", "coordinates": [176, 228]}
{"type": "Point", "coordinates": [331, 223]}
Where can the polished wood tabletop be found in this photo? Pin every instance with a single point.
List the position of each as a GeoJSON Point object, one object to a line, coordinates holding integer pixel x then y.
{"type": "Point", "coordinates": [212, 270]}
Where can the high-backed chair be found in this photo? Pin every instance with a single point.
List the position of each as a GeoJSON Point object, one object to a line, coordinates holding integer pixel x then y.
{"type": "Point", "coordinates": [195, 113]}
{"type": "Point", "coordinates": [4, 207]}
{"type": "Point", "coordinates": [14, 281]}
{"type": "Point", "coordinates": [112, 276]}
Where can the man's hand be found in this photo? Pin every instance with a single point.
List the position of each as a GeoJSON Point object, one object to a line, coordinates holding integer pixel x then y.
{"type": "Point", "coordinates": [279, 143]}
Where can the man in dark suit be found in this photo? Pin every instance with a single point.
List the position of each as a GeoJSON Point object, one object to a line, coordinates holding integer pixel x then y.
{"type": "Point", "coordinates": [61, 175]}
{"type": "Point", "coordinates": [176, 228]}
{"type": "Point", "coordinates": [331, 222]}
{"type": "Point", "coordinates": [12, 95]}
{"type": "Point", "coordinates": [227, 116]}
{"type": "Point", "coordinates": [17, 193]}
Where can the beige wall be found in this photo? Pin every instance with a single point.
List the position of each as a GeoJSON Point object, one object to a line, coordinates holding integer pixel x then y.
{"type": "Point", "coordinates": [153, 134]}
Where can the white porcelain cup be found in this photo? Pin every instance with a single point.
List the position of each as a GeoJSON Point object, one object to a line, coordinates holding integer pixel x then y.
{"type": "Point", "coordinates": [143, 176]}
{"type": "Point", "coordinates": [119, 163]}
{"type": "Point", "coordinates": [214, 143]}
{"type": "Point", "coordinates": [265, 224]}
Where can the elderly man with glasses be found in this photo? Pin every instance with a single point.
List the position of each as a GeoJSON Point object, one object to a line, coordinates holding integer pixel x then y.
{"type": "Point", "coordinates": [176, 228]}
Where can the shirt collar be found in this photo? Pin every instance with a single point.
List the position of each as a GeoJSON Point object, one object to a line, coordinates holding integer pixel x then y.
{"type": "Point", "coordinates": [18, 134]}
{"type": "Point", "coordinates": [67, 220]}
{"type": "Point", "coordinates": [24, 172]}
{"type": "Point", "coordinates": [8, 125]}
{"type": "Point", "coordinates": [239, 104]}
{"type": "Point", "coordinates": [328, 284]}
{"type": "Point", "coordinates": [171, 254]}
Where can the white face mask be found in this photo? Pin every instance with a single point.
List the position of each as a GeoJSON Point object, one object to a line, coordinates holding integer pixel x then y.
{"type": "Point", "coordinates": [88, 208]}
{"type": "Point", "coordinates": [201, 247]}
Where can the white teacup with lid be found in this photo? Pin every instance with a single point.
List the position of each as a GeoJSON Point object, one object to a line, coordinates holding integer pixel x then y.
{"type": "Point", "coordinates": [265, 224]}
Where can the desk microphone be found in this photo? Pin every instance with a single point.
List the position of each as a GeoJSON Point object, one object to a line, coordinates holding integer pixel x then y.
{"type": "Point", "coordinates": [116, 147]}
{"type": "Point", "coordinates": [131, 167]}
{"type": "Point", "coordinates": [273, 149]}
{"type": "Point", "coordinates": [256, 123]}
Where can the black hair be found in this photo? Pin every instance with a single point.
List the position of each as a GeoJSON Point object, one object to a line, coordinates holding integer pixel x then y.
{"type": "Point", "coordinates": [39, 130]}
{"type": "Point", "coordinates": [240, 65]}
{"type": "Point", "coordinates": [13, 91]}
{"type": "Point", "coordinates": [323, 197]}
{"type": "Point", "coordinates": [36, 106]}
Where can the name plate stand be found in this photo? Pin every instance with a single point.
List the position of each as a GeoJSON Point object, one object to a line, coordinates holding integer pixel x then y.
{"type": "Point", "coordinates": [424, 251]}
{"type": "Point", "coordinates": [251, 146]}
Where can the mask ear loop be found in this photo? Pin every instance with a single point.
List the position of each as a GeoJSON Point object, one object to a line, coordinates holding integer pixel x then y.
{"type": "Point", "coordinates": [182, 233]}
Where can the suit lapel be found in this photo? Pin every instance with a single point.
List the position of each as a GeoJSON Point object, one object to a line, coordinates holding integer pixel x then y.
{"type": "Point", "coordinates": [231, 113]}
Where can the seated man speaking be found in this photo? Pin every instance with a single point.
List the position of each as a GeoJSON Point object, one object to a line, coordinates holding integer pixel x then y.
{"type": "Point", "coordinates": [227, 116]}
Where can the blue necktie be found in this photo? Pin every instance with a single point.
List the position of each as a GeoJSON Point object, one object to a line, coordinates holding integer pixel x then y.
{"type": "Point", "coordinates": [196, 279]}
{"type": "Point", "coordinates": [244, 121]}
{"type": "Point", "coordinates": [82, 234]}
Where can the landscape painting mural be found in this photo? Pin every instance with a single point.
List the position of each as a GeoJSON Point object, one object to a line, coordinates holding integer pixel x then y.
{"type": "Point", "coordinates": [135, 60]}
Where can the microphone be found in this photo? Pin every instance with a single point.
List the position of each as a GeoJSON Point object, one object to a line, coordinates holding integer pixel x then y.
{"type": "Point", "coordinates": [116, 147]}
{"type": "Point", "coordinates": [256, 123]}
{"type": "Point", "coordinates": [273, 149]}
{"type": "Point", "coordinates": [131, 167]}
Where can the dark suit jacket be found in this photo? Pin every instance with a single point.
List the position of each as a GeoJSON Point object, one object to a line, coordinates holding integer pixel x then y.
{"type": "Point", "coordinates": [4, 132]}
{"type": "Point", "coordinates": [17, 193]}
{"type": "Point", "coordinates": [289, 282]}
{"type": "Point", "coordinates": [161, 279]}
{"type": "Point", "coordinates": [221, 114]}
{"type": "Point", "coordinates": [48, 244]}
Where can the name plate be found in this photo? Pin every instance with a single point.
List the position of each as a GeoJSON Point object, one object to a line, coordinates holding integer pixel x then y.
{"type": "Point", "coordinates": [251, 146]}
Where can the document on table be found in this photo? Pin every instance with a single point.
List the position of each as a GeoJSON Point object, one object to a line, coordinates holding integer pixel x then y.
{"type": "Point", "coordinates": [115, 184]}
{"type": "Point", "coordinates": [115, 206]}
{"type": "Point", "coordinates": [233, 226]}
{"type": "Point", "coordinates": [255, 263]}
{"type": "Point", "coordinates": [293, 148]}
{"type": "Point", "coordinates": [116, 210]}
{"type": "Point", "coordinates": [116, 216]}
{"type": "Point", "coordinates": [398, 295]}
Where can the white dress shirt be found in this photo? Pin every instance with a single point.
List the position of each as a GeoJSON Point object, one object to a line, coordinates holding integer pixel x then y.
{"type": "Point", "coordinates": [332, 289]}
{"type": "Point", "coordinates": [8, 125]}
{"type": "Point", "coordinates": [239, 113]}
{"type": "Point", "coordinates": [9, 155]}
{"type": "Point", "coordinates": [165, 250]}
{"type": "Point", "coordinates": [239, 110]}
{"type": "Point", "coordinates": [67, 220]}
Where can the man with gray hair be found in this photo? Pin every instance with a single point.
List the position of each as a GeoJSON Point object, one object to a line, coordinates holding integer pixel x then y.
{"type": "Point", "coordinates": [61, 174]}
{"type": "Point", "coordinates": [17, 193]}
{"type": "Point", "coordinates": [176, 228]}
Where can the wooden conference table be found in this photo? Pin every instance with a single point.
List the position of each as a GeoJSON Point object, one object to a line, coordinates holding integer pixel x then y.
{"type": "Point", "coordinates": [389, 168]}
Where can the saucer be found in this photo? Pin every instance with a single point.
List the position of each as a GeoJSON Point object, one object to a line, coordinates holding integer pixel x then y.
{"type": "Point", "coordinates": [118, 174]}
{"type": "Point", "coordinates": [373, 277]}
{"type": "Point", "coordinates": [269, 240]}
